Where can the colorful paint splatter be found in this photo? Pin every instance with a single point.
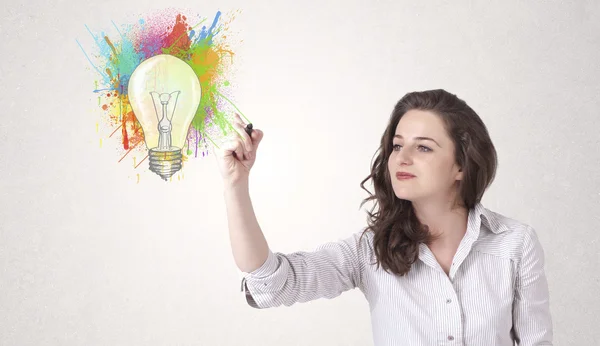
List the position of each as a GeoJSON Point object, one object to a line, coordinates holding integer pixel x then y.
{"type": "Point", "coordinates": [200, 43]}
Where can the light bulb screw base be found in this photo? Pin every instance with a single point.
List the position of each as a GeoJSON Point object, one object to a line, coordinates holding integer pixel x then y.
{"type": "Point", "coordinates": [165, 163]}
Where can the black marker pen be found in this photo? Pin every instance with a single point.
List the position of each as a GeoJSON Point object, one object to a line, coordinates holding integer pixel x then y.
{"type": "Point", "coordinates": [249, 129]}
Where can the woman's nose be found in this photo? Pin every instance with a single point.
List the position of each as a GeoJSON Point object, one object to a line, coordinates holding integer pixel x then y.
{"type": "Point", "coordinates": [403, 157]}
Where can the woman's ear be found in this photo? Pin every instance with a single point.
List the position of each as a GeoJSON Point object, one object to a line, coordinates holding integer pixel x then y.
{"type": "Point", "coordinates": [460, 174]}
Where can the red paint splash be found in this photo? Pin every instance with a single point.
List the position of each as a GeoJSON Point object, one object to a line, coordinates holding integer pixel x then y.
{"type": "Point", "coordinates": [132, 134]}
{"type": "Point", "coordinates": [178, 39]}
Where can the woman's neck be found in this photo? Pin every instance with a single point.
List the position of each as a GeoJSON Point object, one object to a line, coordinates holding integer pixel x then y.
{"type": "Point", "coordinates": [446, 221]}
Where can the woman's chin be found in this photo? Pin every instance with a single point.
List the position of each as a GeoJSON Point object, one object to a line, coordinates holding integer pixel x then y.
{"type": "Point", "coordinates": [405, 196]}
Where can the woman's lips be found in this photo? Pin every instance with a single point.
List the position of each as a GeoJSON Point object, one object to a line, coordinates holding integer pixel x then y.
{"type": "Point", "coordinates": [404, 176]}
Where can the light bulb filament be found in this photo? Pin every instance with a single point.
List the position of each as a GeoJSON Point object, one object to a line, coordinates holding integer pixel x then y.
{"type": "Point", "coordinates": [164, 124]}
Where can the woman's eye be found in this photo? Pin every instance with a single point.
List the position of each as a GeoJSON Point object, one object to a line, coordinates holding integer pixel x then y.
{"type": "Point", "coordinates": [421, 147]}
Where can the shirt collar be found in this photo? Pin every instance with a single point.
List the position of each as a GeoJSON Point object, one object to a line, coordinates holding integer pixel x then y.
{"type": "Point", "coordinates": [482, 215]}
{"type": "Point", "coordinates": [478, 217]}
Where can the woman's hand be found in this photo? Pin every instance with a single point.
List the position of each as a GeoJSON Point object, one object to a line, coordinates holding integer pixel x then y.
{"type": "Point", "coordinates": [237, 156]}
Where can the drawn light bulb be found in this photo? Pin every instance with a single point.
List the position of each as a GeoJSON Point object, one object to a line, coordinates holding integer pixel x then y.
{"type": "Point", "coordinates": [164, 93]}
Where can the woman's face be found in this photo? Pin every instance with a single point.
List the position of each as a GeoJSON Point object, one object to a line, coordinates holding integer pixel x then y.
{"type": "Point", "coordinates": [422, 147]}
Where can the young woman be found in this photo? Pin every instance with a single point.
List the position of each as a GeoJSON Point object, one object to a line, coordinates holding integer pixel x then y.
{"type": "Point", "coordinates": [436, 266]}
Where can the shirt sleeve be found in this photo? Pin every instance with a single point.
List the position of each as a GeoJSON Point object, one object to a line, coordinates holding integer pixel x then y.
{"type": "Point", "coordinates": [298, 277]}
{"type": "Point", "coordinates": [532, 323]}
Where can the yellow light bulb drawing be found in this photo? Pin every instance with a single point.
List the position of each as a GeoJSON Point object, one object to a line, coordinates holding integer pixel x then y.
{"type": "Point", "coordinates": [164, 93]}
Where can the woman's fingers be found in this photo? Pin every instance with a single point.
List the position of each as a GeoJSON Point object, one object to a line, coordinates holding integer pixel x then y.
{"type": "Point", "coordinates": [244, 138]}
{"type": "Point", "coordinates": [248, 142]}
{"type": "Point", "coordinates": [257, 136]}
{"type": "Point", "coordinates": [236, 148]}
{"type": "Point", "coordinates": [241, 127]}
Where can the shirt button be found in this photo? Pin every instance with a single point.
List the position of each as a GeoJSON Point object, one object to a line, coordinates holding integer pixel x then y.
{"type": "Point", "coordinates": [450, 337]}
{"type": "Point", "coordinates": [448, 301]}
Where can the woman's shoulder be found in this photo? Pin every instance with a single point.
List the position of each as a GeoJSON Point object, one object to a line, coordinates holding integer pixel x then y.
{"type": "Point", "coordinates": [500, 223]}
{"type": "Point", "coordinates": [508, 232]}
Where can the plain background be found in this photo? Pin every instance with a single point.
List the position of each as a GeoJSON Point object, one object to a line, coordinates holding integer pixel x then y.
{"type": "Point", "coordinates": [90, 257]}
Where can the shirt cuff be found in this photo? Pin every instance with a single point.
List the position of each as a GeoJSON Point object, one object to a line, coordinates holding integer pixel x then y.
{"type": "Point", "coordinates": [265, 270]}
{"type": "Point", "coordinates": [269, 277]}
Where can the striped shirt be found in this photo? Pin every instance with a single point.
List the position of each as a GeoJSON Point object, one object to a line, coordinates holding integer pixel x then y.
{"type": "Point", "coordinates": [496, 292]}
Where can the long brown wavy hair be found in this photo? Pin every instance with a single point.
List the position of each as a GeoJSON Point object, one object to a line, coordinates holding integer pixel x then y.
{"type": "Point", "coordinates": [397, 232]}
